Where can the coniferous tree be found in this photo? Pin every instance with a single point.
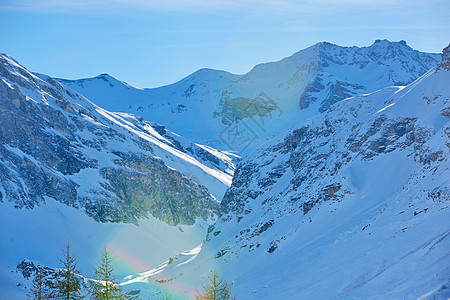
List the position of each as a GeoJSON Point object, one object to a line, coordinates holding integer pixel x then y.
{"type": "Point", "coordinates": [105, 285]}
{"type": "Point", "coordinates": [68, 286]}
{"type": "Point", "coordinates": [39, 290]}
{"type": "Point", "coordinates": [214, 288]}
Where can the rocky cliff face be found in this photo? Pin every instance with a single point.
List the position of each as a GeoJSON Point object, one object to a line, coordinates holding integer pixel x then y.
{"type": "Point", "coordinates": [240, 112]}
{"type": "Point", "coordinates": [445, 62]}
{"type": "Point", "coordinates": [353, 200]}
{"type": "Point", "coordinates": [116, 167]}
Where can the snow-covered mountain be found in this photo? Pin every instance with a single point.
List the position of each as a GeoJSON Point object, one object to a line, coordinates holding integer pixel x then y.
{"type": "Point", "coordinates": [239, 112]}
{"type": "Point", "coordinates": [351, 204]}
{"type": "Point", "coordinates": [70, 170]}
{"type": "Point", "coordinates": [116, 166]}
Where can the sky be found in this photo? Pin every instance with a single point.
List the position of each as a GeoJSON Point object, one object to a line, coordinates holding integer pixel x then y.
{"type": "Point", "coordinates": [150, 43]}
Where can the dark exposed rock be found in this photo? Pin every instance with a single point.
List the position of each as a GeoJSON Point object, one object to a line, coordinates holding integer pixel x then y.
{"type": "Point", "coordinates": [147, 185]}
{"type": "Point", "coordinates": [445, 62]}
{"type": "Point", "coordinates": [222, 252]}
{"type": "Point", "coordinates": [273, 247]}
{"type": "Point", "coordinates": [29, 270]}
{"type": "Point", "coordinates": [330, 191]}
{"type": "Point", "coordinates": [439, 194]}
{"type": "Point", "coordinates": [446, 112]}
{"type": "Point", "coordinates": [307, 206]}
{"type": "Point", "coordinates": [236, 109]}
{"type": "Point", "coordinates": [339, 91]}
{"type": "Point", "coordinates": [307, 96]}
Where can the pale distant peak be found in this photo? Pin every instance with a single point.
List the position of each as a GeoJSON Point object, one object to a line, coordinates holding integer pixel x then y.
{"type": "Point", "coordinates": [113, 80]}
{"type": "Point", "coordinates": [385, 43]}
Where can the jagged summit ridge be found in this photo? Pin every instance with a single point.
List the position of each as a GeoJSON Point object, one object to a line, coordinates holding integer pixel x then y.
{"type": "Point", "coordinates": [209, 105]}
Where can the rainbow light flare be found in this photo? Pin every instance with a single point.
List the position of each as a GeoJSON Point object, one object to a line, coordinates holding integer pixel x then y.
{"type": "Point", "coordinates": [138, 269]}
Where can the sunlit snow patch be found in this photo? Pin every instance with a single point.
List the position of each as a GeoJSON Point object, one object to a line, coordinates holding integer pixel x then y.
{"type": "Point", "coordinates": [188, 256]}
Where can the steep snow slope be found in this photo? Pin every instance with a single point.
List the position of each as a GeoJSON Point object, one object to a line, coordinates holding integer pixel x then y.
{"type": "Point", "coordinates": [239, 112]}
{"type": "Point", "coordinates": [353, 203]}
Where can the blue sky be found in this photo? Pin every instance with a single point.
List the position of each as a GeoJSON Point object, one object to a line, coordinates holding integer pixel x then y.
{"type": "Point", "coordinates": [150, 43]}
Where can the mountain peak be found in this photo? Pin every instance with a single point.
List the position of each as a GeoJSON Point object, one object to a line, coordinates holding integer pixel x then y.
{"type": "Point", "coordinates": [325, 44]}
{"type": "Point", "coordinates": [113, 81]}
{"type": "Point", "coordinates": [321, 47]}
{"type": "Point", "coordinates": [107, 77]}
{"type": "Point", "coordinates": [383, 41]}
{"type": "Point", "coordinates": [104, 75]}
{"type": "Point", "coordinates": [388, 42]}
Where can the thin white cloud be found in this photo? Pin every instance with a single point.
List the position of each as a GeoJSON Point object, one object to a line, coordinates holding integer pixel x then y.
{"type": "Point", "coordinates": [359, 2]}
{"type": "Point", "coordinates": [246, 6]}
{"type": "Point", "coordinates": [113, 5]}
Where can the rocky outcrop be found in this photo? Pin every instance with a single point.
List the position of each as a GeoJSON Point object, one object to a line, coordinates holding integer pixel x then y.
{"type": "Point", "coordinates": [146, 184]}
{"type": "Point", "coordinates": [307, 96]}
{"type": "Point", "coordinates": [235, 109]}
{"type": "Point", "coordinates": [338, 91]}
{"type": "Point", "coordinates": [445, 62]}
